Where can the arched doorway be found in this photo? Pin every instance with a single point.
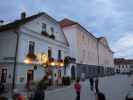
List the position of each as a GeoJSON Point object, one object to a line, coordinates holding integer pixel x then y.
{"type": "Point", "coordinates": [73, 72]}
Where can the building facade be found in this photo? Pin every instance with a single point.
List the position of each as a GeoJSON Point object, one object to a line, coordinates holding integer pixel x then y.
{"type": "Point", "coordinates": [123, 66]}
{"type": "Point", "coordinates": [39, 36]}
{"type": "Point", "coordinates": [86, 48]}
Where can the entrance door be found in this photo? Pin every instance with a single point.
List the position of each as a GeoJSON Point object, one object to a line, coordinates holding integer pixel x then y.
{"type": "Point", "coordinates": [3, 75]}
{"type": "Point", "coordinates": [73, 72]}
{"type": "Point", "coordinates": [30, 75]}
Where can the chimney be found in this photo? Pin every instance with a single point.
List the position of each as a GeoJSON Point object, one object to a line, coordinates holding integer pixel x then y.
{"type": "Point", "coordinates": [23, 15]}
{"type": "Point", "coordinates": [1, 22]}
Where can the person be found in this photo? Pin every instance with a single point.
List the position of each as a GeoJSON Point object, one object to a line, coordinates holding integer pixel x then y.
{"type": "Point", "coordinates": [77, 87]}
{"type": "Point", "coordinates": [17, 95]}
{"type": "Point", "coordinates": [39, 93]}
{"type": "Point", "coordinates": [50, 80]}
{"type": "Point", "coordinates": [1, 88]}
{"type": "Point", "coordinates": [3, 98]}
{"type": "Point", "coordinates": [91, 83]}
{"type": "Point", "coordinates": [96, 85]}
{"type": "Point", "coordinates": [59, 81]}
{"type": "Point", "coordinates": [100, 96]}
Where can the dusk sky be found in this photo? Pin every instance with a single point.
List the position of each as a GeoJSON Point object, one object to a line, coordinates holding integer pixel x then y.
{"type": "Point", "coordinates": [110, 18]}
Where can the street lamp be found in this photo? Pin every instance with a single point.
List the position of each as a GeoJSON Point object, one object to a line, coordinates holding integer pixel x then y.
{"type": "Point", "coordinates": [60, 63]}
{"type": "Point", "coordinates": [30, 58]}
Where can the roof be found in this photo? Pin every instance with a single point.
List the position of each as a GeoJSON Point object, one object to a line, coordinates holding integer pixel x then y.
{"type": "Point", "coordinates": [19, 22]}
{"type": "Point", "coordinates": [121, 61]}
{"type": "Point", "coordinates": [66, 22]}
{"type": "Point", "coordinates": [104, 42]}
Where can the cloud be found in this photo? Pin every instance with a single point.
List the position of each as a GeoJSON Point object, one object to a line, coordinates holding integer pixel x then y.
{"type": "Point", "coordinates": [123, 47]}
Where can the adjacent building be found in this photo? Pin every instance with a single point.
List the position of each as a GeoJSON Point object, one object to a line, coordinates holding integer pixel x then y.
{"type": "Point", "coordinates": [123, 66]}
{"type": "Point", "coordinates": [39, 37]}
{"type": "Point", "coordinates": [88, 50]}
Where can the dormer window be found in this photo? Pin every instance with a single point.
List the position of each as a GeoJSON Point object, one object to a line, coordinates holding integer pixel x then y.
{"type": "Point", "coordinates": [31, 47]}
{"type": "Point", "coordinates": [59, 54]}
{"type": "Point", "coordinates": [44, 30]}
{"type": "Point", "coordinates": [52, 36]}
{"type": "Point", "coordinates": [52, 30]}
{"type": "Point", "coordinates": [44, 27]}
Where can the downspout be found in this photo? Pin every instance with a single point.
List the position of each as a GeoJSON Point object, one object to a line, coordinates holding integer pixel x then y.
{"type": "Point", "coordinates": [98, 54]}
{"type": "Point", "coordinates": [15, 60]}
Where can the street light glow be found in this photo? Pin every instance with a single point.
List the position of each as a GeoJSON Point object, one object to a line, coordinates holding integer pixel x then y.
{"type": "Point", "coordinates": [61, 64]}
{"type": "Point", "coordinates": [52, 64]}
{"type": "Point", "coordinates": [27, 61]}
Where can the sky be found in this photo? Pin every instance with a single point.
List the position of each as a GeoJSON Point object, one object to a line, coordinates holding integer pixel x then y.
{"type": "Point", "coordinates": [112, 19]}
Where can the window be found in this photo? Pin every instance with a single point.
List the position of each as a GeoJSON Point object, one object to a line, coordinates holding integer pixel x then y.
{"type": "Point", "coordinates": [59, 73]}
{"type": "Point", "coordinates": [44, 27]}
{"type": "Point", "coordinates": [52, 30]}
{"type": "Point", "coordinates": [59, 54]}
{"type": "Point", "coordinates": [83, 54]}
{"type": "Point", "coordinates": [3, 75]}
{"type": "Point", "coordinates": [88, 54]}
{"type": "Point", "coordinates": [88, 40]}
{"type": "Point", "coordinates": [49, 52]}
{"type": "Point", "coordinates": [31, 47]}
{"type": "Point", "coordinates": [83, 36]}
{"type": "Point", "coordinates": [30, 75]}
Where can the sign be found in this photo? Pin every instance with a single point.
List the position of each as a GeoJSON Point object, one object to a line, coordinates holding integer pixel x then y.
{"type": "Point", "coordinates": [8, 58]}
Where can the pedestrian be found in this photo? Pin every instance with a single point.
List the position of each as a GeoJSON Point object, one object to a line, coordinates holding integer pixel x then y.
{"type": "Point", "coordinates": [77, 87]}
{"type": "Point", "coordinates": [50, 80]}
{"type": "Point", "coordinates": [100, 96]}
{"type": "Point", "coordinates": [40, 92]}
{"type": "Point", "coordinates": [17, 95]}
{"type": "Point", "coordinates": [59, 81]}
{"type": "Point", "coordinates": [91, 83]}
{"type": "Point", "coordinates": [3, 98]}
{"type": "Point", "coordinates": [96, 85]}
{"type": "Point", "coordinates": [2, 87]}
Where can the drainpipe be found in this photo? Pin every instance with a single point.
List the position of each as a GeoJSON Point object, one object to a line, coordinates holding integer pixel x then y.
{"type": "Point", "coordinates": [15, 60]}
{"type": "Point", "coordinates": [98, 51]}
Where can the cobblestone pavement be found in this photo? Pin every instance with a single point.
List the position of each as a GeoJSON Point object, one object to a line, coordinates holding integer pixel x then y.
{"type": "Point", "coordinates": [114, 87]}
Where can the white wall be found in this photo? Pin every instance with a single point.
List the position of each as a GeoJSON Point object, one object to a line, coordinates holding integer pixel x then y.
{"type": "Point", "coordinates": [86, 44]}
{"type": "Point", "coordinates": [105, 56]}
{"type": "Point", "coordinates": [22, 72]}
{"type": "Point", "coordinates": [82, 49]}
{"type": "Point", "coordinates": [41, 46]}
{"type": "Point", "coordinates": [70, 33]}
{"type": "Point", "coordinates": [7, 44]}
{"type": "Point", "coordinates": [36, 26]}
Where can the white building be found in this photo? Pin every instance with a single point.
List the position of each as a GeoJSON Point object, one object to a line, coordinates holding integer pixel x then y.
{"type": "Point", "coordinates": [37, 34]}
{"type": "Point", "coordinates": [85, 47]}
{"type": "Point", "coordinates": [123, 65]}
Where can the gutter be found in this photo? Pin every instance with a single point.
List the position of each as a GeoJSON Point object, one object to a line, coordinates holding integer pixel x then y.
{"type": "Point", "coordinates": [15, 60]}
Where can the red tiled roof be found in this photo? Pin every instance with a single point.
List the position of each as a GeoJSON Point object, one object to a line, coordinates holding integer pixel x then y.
{"type": "Point", "coordinates": [66, 22]}
{"type": "Point", "coordinates": [119, 61]}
